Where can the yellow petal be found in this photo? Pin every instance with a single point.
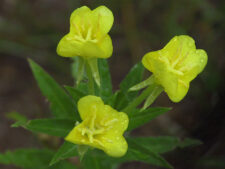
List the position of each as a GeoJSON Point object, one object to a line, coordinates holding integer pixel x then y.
{"type": "Point", "coordinates": [106, 47]}
{"type": "Point", "coordinates": [79, 17]}
{"type": "Point", "coordinates": [178, 47]}
{"type": "Point", "coordinates": [114, 145]}
{"type": "Point", "coordinates": [68, 47]}
{"type": "Point", "coordinates": [88, 105]}
{"type": "Point", "coordinates": [79, 13]}
{"type": "Point", "coordinates": [102, 49]}
{"type": "Point", "coordinates": [194, 64]}
{"type": "Point", "coordinates": [105, 18]}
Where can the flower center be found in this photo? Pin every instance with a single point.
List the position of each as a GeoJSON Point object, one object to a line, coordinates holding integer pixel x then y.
{"type": "Point", "coordinates": [85, 33]}
{"type": "Point", "coordinates": [91, 128]}
{"type": "Point", "coordinates": [177, 60]}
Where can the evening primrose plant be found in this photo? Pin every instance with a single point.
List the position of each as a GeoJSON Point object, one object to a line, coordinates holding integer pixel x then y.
{"type": "Point", "coordinates": [96, 123]}
{"type": "Point", "coordinates": [88, 39]}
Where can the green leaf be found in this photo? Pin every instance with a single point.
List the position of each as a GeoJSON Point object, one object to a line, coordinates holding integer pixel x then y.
{"type": "Point", "coordinates": [91, 162]}
{"type": "Point", "coordinates": [19, 118]}
{"type": "Point", "coordinates": [163, 144]}
{"type": "Point", "coordinates": [55, 127]}
{"type": "Point", "coordinates": [82, 87]}
{"type": "Point", "coordinates": [62, 165]}
{"type": "Point", "coordinates": [106, 84]}
{"type": "Point", "coordinates": [74, 93]}
{"type": "Point", "coordinates": [141, 118]}
{"type": "Point", "coordinates": [62, 105]}
{"type": "Point", "coordinates": [32, 159]}
{"type": "Point", "coordinates": [157, 144]}
{"type": "Point", "coordinates": [140, 153]}
{"type": "Point", "coordinates": [123, 97]}
{"type": "Point", "coordinates": [134, 153]}
{"type": "Point", "coordinates": [82, 150]}
{"type": "Point", "coordinates": [119, 100]}
{"type": "Point", "coordinates": [67, 150]}
{"type": "Point", "coordinates": [133, 77]}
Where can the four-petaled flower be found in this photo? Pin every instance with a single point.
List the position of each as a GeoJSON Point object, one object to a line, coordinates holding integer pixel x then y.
{"type": "Point", "coordinates": [101, 127]}
{"type": "Point", "coordinates": [176, 65]}
{"type": "Point", "coordinates": [88, 36]}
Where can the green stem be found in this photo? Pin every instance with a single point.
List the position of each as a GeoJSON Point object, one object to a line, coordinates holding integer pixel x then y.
{"type": "Point", "coordinates": [91, 87]}
{"type": "Point", "coordinates": [137, 101]}
{"type": "Point", "coordinates": [150, 94]}
{"type": "Point", "coordinates": [153, 95]}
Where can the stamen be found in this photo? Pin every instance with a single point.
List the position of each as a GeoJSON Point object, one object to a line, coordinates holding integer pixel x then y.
{"type": "Point", "coordinates": [79, 38]}
{"type": "Point", "coordinates": [99, 142]}
{"type": "Point", "coordinates": [91, 129]}
{"type": "Point", "coordinates": [88, 37]}
{"type": "Point", "coordinates": [92, 123]}
{"type": "Point", "coordinates": [178, 57]}
{"type": "Point", "coordinates": [83, 131]}
{"type": "Point", "coordinates": [184, 69]}
{"type": "Point", "coordinates": [78, 29]}
{"type": "Point", "coordinates": [183, 58]}
{"type": "Point", "coordinates": [90, 137]}
{"type": "Point", "coordinates": [178, 72]}
{"type": "Point", "coordinates": [110, 122]}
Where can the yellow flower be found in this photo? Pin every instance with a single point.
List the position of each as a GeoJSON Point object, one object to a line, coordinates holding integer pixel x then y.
{"type": "Point", "coordinates": [176, 65]}
{"type": "Point", "coordinates": [101, 127]}
{"type": "Point", "coordinates": [88, 36]}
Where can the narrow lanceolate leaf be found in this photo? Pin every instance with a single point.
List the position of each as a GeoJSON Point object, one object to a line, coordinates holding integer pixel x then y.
{"type": "Point", "coordinates": [140, 152]}
{"type": "Point", "coordinates": [32, 159]}
{"type": "Point", "coordinates": [19, 119]}
{"type": "Point", "coordinates": [62, 105]}
{"type": "Point", "coordinates": [105, 76]}
{"type": "Point", "coordinates": [119, 100]}
{"type": "Point", "coordinates": [74, 93]}
{"type": "Point", "coordinates": [55, 127]}
{"type": "Point", "coordinates": [163, 144]}
{"type": "Point", "coordinates": [83, 87]}
{"type": "Point", "coordinates": [67, 150]}
{"type": "Point", "coordinates": [91, 162]}
{"type": "Point", "coordinates": [124, 96]}
{"type": "Point", "coordinates": [139, 119]}
{"type": "Point", "coordinates": [133, 77]}
{"type": "Point", "coordinates": [160, 145]}
{"type": "Point", "coordinates": [134, 153]}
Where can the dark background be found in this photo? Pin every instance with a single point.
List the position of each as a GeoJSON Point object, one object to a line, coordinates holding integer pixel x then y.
{"type": "Point", "coordinates": [32, 29]}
